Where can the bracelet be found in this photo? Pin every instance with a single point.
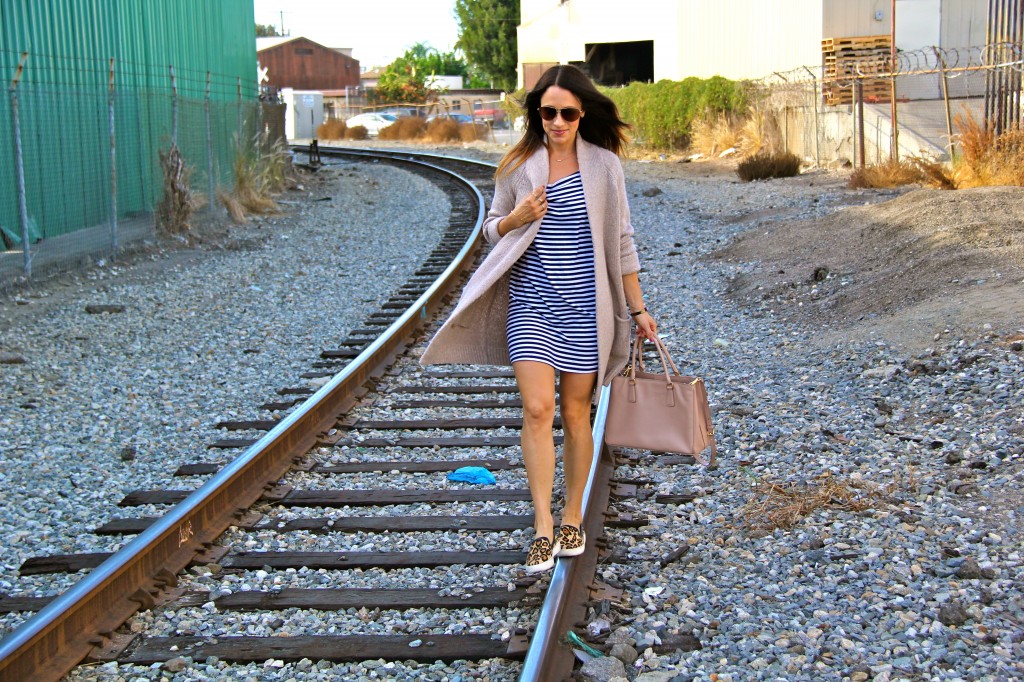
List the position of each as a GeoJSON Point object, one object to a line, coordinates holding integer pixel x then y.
{"type": "Point", "coordinates": [639, 312]}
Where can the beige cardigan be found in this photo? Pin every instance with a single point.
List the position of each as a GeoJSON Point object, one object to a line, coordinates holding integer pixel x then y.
{"type": "Point", "coordinates": [475, 331]}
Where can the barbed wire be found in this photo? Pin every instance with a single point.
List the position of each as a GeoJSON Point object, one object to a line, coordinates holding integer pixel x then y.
{"type": "Point", "coordinates": [953, 62]}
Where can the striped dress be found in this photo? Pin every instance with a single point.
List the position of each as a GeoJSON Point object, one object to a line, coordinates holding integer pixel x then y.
{"type": "Point", "coordinates": [552, 314]}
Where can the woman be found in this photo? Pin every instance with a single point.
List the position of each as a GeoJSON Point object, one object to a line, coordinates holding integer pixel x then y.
{"type": "Point", "coordinates": [558, 290]}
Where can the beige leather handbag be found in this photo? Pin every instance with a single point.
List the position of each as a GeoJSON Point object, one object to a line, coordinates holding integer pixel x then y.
{"type": "Point", "coordinates": [662, 412]}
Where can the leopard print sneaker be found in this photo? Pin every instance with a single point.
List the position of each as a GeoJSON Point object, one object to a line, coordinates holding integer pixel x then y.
{"type": "Point", "coordinates": [541, 556]}
{"type": "Point", "coordinates": [572, 541]}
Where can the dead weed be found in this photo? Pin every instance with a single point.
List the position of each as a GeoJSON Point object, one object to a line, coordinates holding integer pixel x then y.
{"type": "Point", "coordinates": [778, 505]}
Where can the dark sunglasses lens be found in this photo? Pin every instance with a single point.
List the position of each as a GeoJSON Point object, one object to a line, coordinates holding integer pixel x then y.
{"type": "Point", "coordinates": [568, 115]}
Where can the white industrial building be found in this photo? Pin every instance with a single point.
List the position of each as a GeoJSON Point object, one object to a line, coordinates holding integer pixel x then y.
{"type": "Point", "coordinates": [652, 40]}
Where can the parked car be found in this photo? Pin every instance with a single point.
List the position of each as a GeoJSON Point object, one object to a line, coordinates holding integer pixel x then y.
{"type": "Point", "coordinates": [373, 122]}
{"type": "Point", "coordinates": [400, 112]}
{"type": "Point", "coordinates": [493, 117]}
{"type": "Point", "coordinates": [458, 118]}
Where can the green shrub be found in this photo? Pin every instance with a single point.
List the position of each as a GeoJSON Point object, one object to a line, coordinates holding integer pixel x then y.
{"type": "Point", "coordinates": [662, 113]}
{"type": "Point", "coordinates": [765, 165]}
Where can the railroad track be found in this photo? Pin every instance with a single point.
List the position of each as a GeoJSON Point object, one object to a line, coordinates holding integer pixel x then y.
{"type": "Point", "coordinates": [380, 418]}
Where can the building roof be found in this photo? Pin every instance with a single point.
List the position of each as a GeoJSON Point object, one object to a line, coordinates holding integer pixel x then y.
{"type": "Point", "coordinates": [265, 43]}
{"type": "Point", "coordinates": [272, 41]}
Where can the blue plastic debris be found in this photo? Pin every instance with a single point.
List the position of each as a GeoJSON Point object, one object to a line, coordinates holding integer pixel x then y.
{"type": "Point", "coordinates": [472, 475]}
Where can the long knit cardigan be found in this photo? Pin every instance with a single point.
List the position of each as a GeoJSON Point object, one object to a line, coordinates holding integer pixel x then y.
{"type": "Point", "coordinates": [475, 331]}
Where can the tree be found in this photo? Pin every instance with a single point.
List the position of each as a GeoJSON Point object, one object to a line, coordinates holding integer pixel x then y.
{"type": "Point", "coordinates": [266, 31]}
{"type": "Point", "coordinates": [487, 35]}
{"type": "Point", "coordinates": [405, 79]}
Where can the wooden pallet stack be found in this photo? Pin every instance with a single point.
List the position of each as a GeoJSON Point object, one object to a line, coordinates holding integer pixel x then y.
{"type": "Point", "coordinates": [841, 58]}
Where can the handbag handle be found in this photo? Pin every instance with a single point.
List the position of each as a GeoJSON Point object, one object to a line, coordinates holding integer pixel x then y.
{"type": "Point", "coordinates": [666, 359]}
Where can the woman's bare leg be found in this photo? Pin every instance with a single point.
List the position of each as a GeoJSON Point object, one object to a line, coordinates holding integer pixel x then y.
{"type": "Point", "coordinates": [536, 381]}
{"type": "Point", "coordinates": [576, 391]}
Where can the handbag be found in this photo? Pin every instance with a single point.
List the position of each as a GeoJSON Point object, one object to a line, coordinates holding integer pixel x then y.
{"type": "Point", "coordinates": [662, 412]}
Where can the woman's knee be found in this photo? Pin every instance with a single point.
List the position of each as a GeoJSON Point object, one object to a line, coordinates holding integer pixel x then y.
{"type": "Point", "coordinates": [539, 410]}
{"type": "Point", "coordinates": [576, 417]}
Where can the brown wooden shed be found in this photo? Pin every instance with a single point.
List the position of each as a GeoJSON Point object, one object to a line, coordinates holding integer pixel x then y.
{"type": "Point", "coordinates": [303, 64]}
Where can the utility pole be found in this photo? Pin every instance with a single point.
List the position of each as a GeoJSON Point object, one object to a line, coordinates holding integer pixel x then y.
{"type": "Point", "coordinates": [894, 152]}
{"type": "Point", "coordinates": [282, 22]}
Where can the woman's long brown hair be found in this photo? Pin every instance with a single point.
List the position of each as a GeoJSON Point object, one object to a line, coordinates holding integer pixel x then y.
{"type": "Point", "coordinates": [601, 126]}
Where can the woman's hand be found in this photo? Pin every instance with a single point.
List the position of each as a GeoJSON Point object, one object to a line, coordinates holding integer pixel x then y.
{"type": "Point", "coordinates": [646, 327]}
{"type": "Point", "coordinates": [531, 208]}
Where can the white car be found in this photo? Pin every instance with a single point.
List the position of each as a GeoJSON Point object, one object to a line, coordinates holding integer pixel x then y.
{"type": "Point", "coordinates": [372, 122]}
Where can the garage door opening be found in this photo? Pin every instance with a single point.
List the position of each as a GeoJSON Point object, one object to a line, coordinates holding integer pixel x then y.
{"type": "Point", "coordinates": [620, 63]}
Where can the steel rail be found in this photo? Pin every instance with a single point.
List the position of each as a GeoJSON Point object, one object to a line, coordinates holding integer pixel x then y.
{"type": "Point", "coordinates": [65, 631]}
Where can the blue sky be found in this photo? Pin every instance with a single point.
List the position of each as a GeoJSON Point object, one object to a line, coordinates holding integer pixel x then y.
{"type": "Point", "coordinates": [378, 31]}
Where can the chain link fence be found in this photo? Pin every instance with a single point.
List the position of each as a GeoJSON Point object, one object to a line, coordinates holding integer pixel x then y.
{"type": "Point", "coordinates": [80, 164]}
{"type": "Point", "coordinates": [874, 105]}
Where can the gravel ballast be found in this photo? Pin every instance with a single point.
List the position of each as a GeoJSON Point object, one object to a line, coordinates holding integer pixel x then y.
{"type": "Point", "coordinates": [923, 581]}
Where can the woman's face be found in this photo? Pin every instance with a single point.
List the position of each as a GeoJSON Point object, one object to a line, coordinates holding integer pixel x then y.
{"type": "Point", "coordinates": [559, 130]}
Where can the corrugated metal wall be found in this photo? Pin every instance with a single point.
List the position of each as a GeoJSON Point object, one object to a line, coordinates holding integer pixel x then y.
{"type": "Point", "coordinates": [63, 99]}
{"type": "Point", "coordinates": [964, 25]}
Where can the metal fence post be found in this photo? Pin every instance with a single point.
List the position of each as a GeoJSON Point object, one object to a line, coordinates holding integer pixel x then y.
{"type": "Point", "coordinates": [945, 99]}
{"type": "Point", "coordinates": [113, 163]}
{"type": "Point", "coordinates": [19, 167]}
{"type": "Point", "coordinates": [239, 85]}
{"type": "Point", "coordinates": [858, 88]}
{"type": "Point", "coordinates": [209, 145]}
{"type": "Point", "coordinates": [174, 108]}
{"type": "Point", "coordinates": [814, 100]}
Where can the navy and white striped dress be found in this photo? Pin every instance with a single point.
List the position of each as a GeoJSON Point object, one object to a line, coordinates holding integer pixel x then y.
{"type": "Point", "coordinates": [552, 314]}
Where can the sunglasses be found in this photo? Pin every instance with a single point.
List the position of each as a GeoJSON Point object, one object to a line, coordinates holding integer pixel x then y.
{"type": "Point", "coordinates": [569, 114]}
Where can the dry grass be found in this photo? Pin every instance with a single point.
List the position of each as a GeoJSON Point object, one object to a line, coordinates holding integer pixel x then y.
{"type": "Point", "coordinates": [262, 169]}
{"type": "Point", "coordinates": [985, 159]}
{"type": "Point", "coordinates": [712, 137]}
{"type": "Point", "coordinates": [471, 132]}
{"type": "Point", "coordinates": [760, 132]}
{"type": "Point", "coordinates": [442, 130]}
{"type": "Point", "coordinates": [889, 174]}
{"type": "Point", "coordinates": [405, 128]}
{"type": "Point", "coordinates": [780, 506]}
{"type": "Point", "coordinates": [766, 165]}
{"type": "Point", "coordinates": [174, 212]}
{"type": "Point", "coordinates": [332, 129]}
{"type": "Point", "coordinates": [357, 133]}
{"type": "Point", "coordinates": [232, 205]}
{"type": "Point", "coordinates": [936, 174]}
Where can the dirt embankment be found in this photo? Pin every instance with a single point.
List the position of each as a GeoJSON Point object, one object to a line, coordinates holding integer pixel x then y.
{"type": "Point", "coordinates": [903, 270]}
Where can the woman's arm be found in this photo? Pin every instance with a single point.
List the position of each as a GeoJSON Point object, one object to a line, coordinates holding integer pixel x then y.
{"type": "Point", "coordinates": [507, 215]}
{"type": "Point", "coordinates": [532, 208]}
{"type": "Point", "coordinates": [645, 324]}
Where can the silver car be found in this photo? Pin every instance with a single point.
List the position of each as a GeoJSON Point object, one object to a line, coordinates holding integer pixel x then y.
{"type": "Point", "coordinates": [373, 122]}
